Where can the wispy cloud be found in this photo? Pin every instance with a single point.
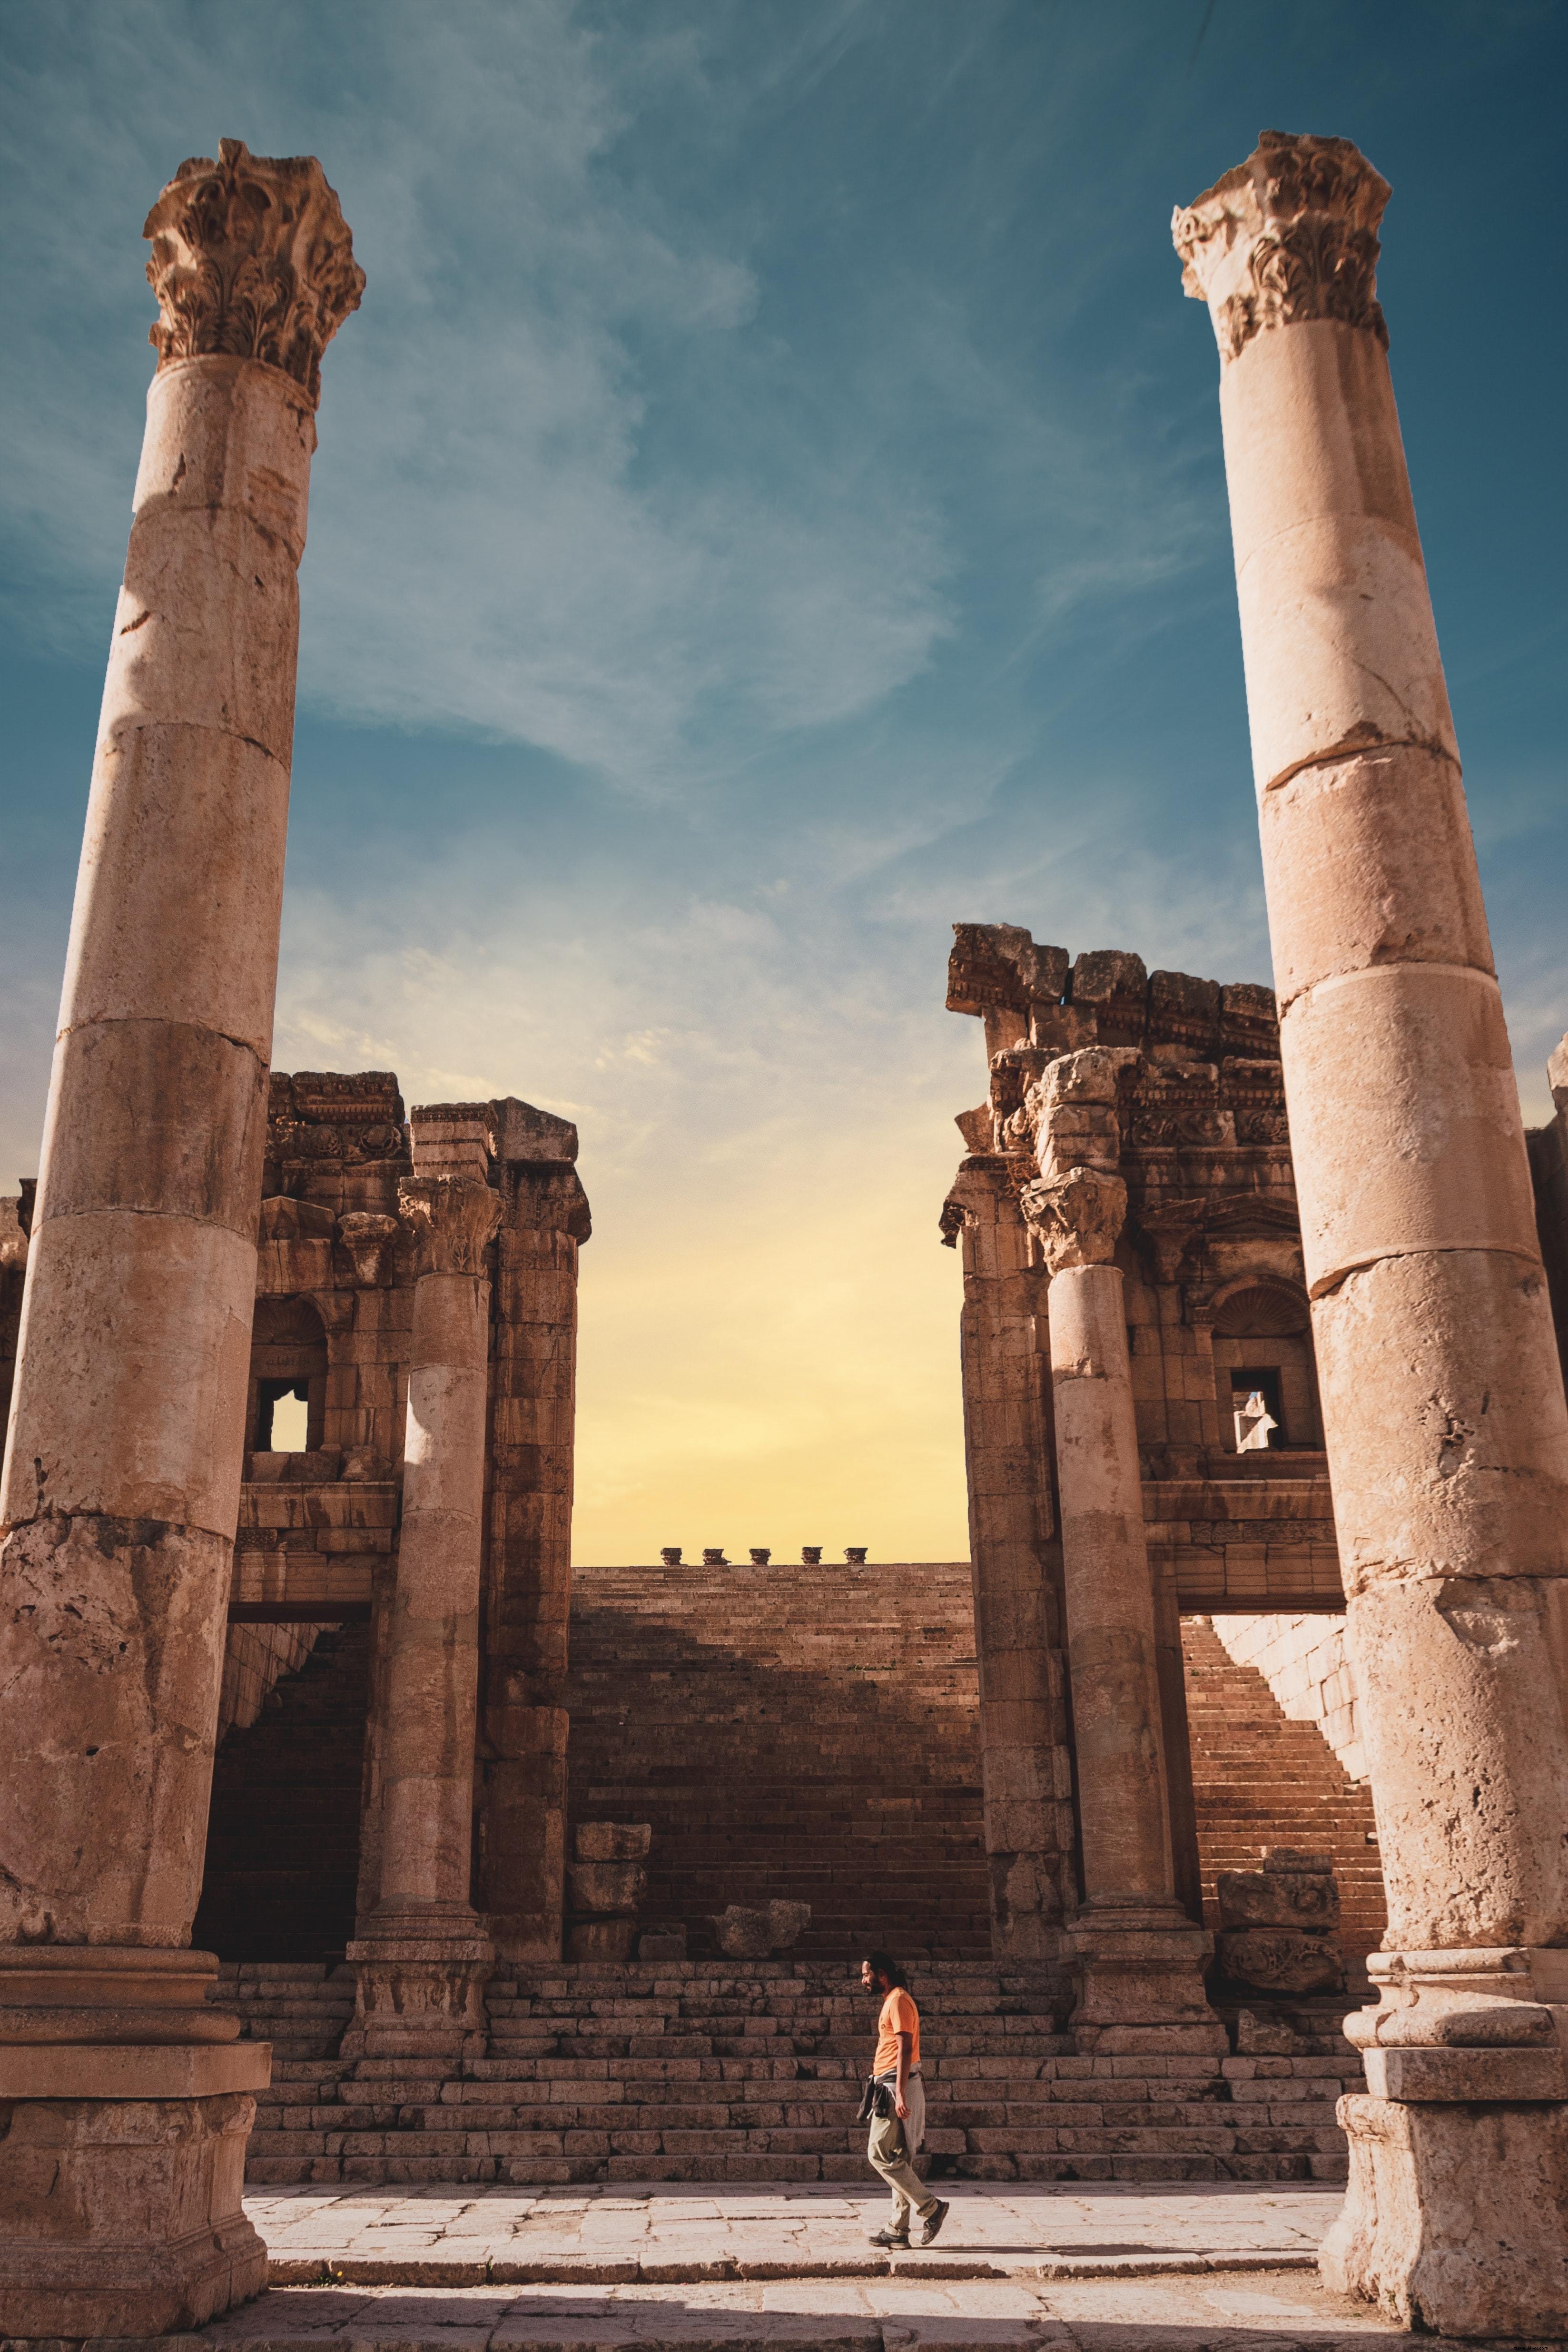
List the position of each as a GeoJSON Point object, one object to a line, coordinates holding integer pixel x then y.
{"type": "Point", "coordinates": [490, 548]}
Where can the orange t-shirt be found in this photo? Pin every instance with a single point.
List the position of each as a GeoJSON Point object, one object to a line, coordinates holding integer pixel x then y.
{"type": "Point", "coordinates": [899, 2015]}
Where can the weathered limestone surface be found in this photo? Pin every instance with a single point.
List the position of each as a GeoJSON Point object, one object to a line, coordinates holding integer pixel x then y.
{"type": "Point", "coordinates": [119, 2174]}
{"type": "Point", "coordinates": [1442, 1388]}
{"type": "Point", "coordinates": [422, 1960]}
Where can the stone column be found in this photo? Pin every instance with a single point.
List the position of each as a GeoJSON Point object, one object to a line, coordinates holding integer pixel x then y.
{"type": "Point", "coordinates": [522, 1810]}
{"type": "Point", "coordinates": [1442, 1400]}
{"type": "Point", "coordinates": [1025, 1766]}
{"type": "Point", "coordinates": [120, 2171]}
{"type": "Point", "coordinates": [1142, 1958]}
{"type": "Point", "coordinates": [422, 1959]}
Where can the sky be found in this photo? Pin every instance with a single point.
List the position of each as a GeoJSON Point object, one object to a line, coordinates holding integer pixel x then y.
{"type": "Point", "coordinates": [769, 508]}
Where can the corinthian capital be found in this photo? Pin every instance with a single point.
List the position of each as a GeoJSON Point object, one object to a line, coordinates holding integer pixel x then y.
{"type": "Point", "coordinates": [1078, 1219]}
{"type": "Point", "coordinates": [449, 1220]}
{"type": "Point", "coordinates": [251, 257]}
{"type": "Point", "coordinates": [1290, 235]}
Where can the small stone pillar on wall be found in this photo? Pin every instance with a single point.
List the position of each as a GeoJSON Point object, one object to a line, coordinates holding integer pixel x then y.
{"type": "Point", "coordinates": [1442, 1395]}
{"type": "Point", "coordinates": [1141, 1956]}
{"type": "Point", "coordinates": [128, 2097]}
{"type": "Point", "coordinates": [422, 1959]}
{"type": "Point", "coordinates": [523, 1789]}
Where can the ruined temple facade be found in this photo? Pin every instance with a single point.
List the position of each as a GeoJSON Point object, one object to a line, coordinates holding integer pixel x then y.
{"type": "Point", "coordinates": [290, 1401]}
{"type": "Point", "coordinates": [344, 1238]}
{"type": "Point", "coordinates": [1192, 1130]}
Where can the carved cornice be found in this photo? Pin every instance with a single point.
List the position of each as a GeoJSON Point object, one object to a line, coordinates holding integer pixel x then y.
{"type": "Point", "coordinates": [1289, 236]}
{"type": "Point", "coordinates": [1078, 1219]}
{"type": "Point", "coordinates": [450, 1221]}
{"type": "Point", "coordinates": [251, 258]}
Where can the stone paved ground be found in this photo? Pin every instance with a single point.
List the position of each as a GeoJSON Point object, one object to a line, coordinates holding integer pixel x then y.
{"type": "Point", "coordinates": [1180, 2267]}
{"type": "Point", "coordinates": [619, 2235]}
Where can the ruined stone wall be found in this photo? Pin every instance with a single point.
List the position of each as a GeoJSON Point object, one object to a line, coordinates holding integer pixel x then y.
{"type": "Point", "coordinates": [317, 1543]}
{"type": "Point", "coordinates": [1210, 1256]}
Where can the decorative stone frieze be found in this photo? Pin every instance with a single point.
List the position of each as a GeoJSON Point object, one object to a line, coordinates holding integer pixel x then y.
{"type": "Point", "coordinates": [1290, 234]}
{"type": "Point", "coordinates": [251, 260]}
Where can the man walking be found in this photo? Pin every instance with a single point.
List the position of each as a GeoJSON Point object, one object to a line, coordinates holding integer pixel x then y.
{"type": "Point", "coordinates": [896, 2138]}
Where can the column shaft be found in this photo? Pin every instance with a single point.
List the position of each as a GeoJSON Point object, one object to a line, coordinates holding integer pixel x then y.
{"type": "Point", "coordinates": [1141, 1956]}
{"type": "Point", "coordinates": [128, 2096]}
{"type": "Point", "coordinates": [1442, 1398]}
{"type": "Point", "coordinates": [421, 1958]}
{"type": "Point", "coordinates": [1121, 1797]}
{"type": "Point", "coordinates": [1017, 1568]}
{"type": "Point", "coordinates": [523, 1800]}
{"type": "Point", "coordinates": [432, 1663]}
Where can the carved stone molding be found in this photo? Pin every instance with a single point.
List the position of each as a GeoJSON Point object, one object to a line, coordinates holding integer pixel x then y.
{"type": "Point", "coordinates": [1077, 1219]}
{"type": "Point", "coordinates": [368, 1238]}
{"type": "Point", "coordinates": [450, 1221]}
{"type": "Point", "coordinates": [1290, 235]}
{"type": "Point", "coordinates": [251, 258]}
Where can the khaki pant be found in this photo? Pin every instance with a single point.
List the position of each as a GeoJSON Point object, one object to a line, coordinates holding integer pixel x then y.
{"type": "Point", "coordinates": [891, 2149]}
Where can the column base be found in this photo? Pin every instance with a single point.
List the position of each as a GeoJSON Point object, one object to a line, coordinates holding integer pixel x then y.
{"type": "Point", "coordinates": [1141, 1983]}
{"type": "Point", "coordinates": [419, 1990]}
{"type": "Point", "coordinates": [122, 2167]}
{"type": "Point", "coordinates": [1455, 2217]}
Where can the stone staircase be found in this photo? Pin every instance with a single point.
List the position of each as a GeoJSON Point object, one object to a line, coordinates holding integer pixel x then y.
{"type": "Point", "coordinates": [1260, 1779]}
{"type": "Point", "coordinates": [751, 2071]}
{"type": "Point", "coordinates": [794, 1731]}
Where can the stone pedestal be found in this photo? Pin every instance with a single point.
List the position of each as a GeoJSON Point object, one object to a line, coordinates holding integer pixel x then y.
{"type": "Point", "coordinates": [1026, 1768]}
{"type": "Point", "coordinates": [1142, 1957]}
{"type": "Point", "coordinates": [120, 2168]}
{"type": "Point", "coordinates": [422, 1959]}
{"type": "Point", "coordinates": [129, 2101]}
{"type": "Point", "coordinates": [1442, 1396]}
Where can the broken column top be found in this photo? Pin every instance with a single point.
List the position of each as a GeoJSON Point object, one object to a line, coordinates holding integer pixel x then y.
{"type": "Point", "coordinates": [1289, 236]}
{"type": "Point", "coordinates": [1107, 997]}
{"type": "Point", "coordinates": [251, 260]}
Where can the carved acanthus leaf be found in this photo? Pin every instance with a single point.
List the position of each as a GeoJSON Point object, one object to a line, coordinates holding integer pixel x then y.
{"type": "Point", "coordinates": [1289, 236]}
{"type": "Point", "coordinates": [450, 1221]}
{"type": "Point", "coordinates": [251, 258]}
{"type": "Point", "coordinates": [1078, 1219]}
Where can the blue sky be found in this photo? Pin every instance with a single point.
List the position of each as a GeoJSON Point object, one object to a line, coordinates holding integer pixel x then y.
{"type": "Point", "coordinates": [769, 507]}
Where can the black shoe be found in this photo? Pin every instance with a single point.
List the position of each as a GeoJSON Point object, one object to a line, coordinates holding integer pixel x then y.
{"type": "Point", "coordinates": [928, 2235]}
{"type": "Point", "coordinates": [891, 2237]}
